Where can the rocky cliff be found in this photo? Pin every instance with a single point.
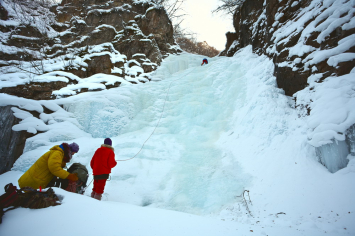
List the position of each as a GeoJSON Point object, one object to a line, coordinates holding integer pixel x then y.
{"type": "Point", "coordinates": [124, 38]}
{"type": "Point", "coordinates": [312, 45]}
{"type": "Point", "coordinates": [12, 142]}
{"type": "Point", "coordinates": [302, 37]}
{"type": "Point", "coordinates": [62, 50]}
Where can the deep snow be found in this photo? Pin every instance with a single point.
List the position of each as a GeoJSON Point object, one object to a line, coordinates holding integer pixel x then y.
{"type": "Point", "coordinates": [209, 133]}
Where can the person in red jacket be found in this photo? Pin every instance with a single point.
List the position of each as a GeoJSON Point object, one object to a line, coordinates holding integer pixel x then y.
{"type": "Point", "coordinates": [101, 163]}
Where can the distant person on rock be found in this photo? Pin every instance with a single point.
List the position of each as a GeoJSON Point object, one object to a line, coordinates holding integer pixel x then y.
{"type": "Point", "coordinates": [101, 163]}
{"type": "Point", "coordinates": [204, 61]}
{"type": "Point", "coordinates": [50, 165]}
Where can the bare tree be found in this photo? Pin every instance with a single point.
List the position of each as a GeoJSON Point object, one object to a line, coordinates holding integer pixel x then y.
{"type": "Point", "coordinates": [35, 12]}
{"type": "Point", "coordinates": [180, 32]}
{"type": "Point", "coordinates": [184, 37]}
{"type": "Point", "coordinates": [201, 48]}
{"type": "Point", "coordinates": [228, 6]}
{"type": "Point", "coordinates": [35, 17]}
{"type": "Point", "coordinates": [176, 14]}
{"type": "Point", "coordinates": [174, 9]}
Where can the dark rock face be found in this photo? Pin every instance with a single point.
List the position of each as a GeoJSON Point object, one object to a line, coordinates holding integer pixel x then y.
{"type": "Point", "coordinates": [232, 38]}
{"type": "Point", "coordinates": [132, 41]}
{"type": "Point", "coordinates": [135, 29]}
{"type": "Point", "coordinates": [99, 64]}
{"type": "Point", "coordinates": [260, 25]}
{"type": "Point", "coordinates": [145, 27]}
{"type": "Point", "coordinates": [36, 90]}
{"type": "Point", "coordinates": [126, 27]}
{"type": "Point", "coordinates": [153, 23]}
{"type": "Point", "coordinates": [27, 38]}
{"type": "Point", "coordinates": [3, 13]}
{"type": "Point", "coordinates": [101, 35]}
{"type": "Point", "coordinates": [290, 81]}
{"type": "Point", "coordinates": [12, 142]}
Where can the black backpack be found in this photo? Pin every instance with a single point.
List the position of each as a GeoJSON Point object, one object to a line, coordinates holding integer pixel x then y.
{"type": "Point", "coordinates": [26, 197]}
{"type": "Point", "coordinates": [75, 187]}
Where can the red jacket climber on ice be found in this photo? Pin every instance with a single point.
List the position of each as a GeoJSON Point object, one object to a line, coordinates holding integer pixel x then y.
{"type": "Point", "coordinates": [204, 61]}
{"type": "Point", "coordinates": [101, 163]}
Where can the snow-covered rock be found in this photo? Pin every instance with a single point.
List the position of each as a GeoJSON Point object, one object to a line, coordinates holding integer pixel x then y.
{"type": "Point", "coordinates": [312, 44]}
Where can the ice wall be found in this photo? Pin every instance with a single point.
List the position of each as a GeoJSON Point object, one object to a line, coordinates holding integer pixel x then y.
{"type": "Point", "coordinates": [177, 64]}
{"type": "Point", "coordinates": [334, 155]}
{"type": "Point", "coordinates": [350, 139]}
{"type": "Point", "coordinates": [102, 116]}
{"type": "Point", "coordinates": [331, 117]}
{"type": "Point", "coordinates": [180, 167]}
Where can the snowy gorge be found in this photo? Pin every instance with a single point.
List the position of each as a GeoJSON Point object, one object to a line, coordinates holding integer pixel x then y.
{"type": "Point", "coordinates": [225, 128]}
{"type": "Point", "coordinates": [218, 149]}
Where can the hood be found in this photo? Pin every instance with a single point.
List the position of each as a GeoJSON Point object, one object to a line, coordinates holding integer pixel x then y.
{"type": "Point", "coordinates": [108, 146]}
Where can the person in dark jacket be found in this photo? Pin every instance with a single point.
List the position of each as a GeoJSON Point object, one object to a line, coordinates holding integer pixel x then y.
{"type": "Point", "coordinates": [204, 61]}
{"type": "Point", "coordinates": [101, 163]}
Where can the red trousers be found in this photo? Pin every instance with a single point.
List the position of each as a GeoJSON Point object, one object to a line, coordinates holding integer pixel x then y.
{"type": "Point", "coordinates": [99, 186]}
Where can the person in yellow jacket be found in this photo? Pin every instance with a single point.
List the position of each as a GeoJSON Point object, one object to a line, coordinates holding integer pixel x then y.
{"type": "Point", "coordinates": [49, 165]}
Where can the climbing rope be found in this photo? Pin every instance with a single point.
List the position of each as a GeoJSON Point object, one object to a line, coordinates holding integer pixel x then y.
{"type": "Point", "coordinates": [88, 185]}
{"type": "Point", "coordinates": [84, 189]}
{"type": "Point", "coordinates": [162, 112]}
{"type": "Point", "coordinates": [246, 202]}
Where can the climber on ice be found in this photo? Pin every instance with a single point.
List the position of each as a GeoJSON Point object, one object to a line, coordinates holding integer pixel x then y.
{"type": "Point", "coordinates": [204, 61]}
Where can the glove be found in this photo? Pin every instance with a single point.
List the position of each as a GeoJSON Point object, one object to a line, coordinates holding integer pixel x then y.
{"type": "Point", "coordinates": [73, 177]}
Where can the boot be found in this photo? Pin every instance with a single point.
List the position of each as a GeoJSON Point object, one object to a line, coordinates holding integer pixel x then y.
{"type": "Point", "coordinates": [98, 196]}
{"type": "Point", "coordinates": [93, 194]}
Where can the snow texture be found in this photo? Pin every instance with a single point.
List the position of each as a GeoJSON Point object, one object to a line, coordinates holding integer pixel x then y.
{"type": "Point", "coordinates": [322, 17]}
{"type": "Point", "coordinates": [200, 136]}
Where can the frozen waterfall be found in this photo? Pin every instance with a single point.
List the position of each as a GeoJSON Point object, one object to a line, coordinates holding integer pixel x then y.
{"type": "Point", "coordinates": [207, 132]}
{"type": "Point", "coordinates": [180, 167]}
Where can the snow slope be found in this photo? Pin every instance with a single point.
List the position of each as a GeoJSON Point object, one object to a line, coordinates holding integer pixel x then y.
{"type": "Point", "coordinates": [199, 137]}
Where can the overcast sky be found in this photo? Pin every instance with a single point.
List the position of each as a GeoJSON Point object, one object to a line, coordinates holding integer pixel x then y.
{"type": "Point", "coordinates": [210, 28]}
